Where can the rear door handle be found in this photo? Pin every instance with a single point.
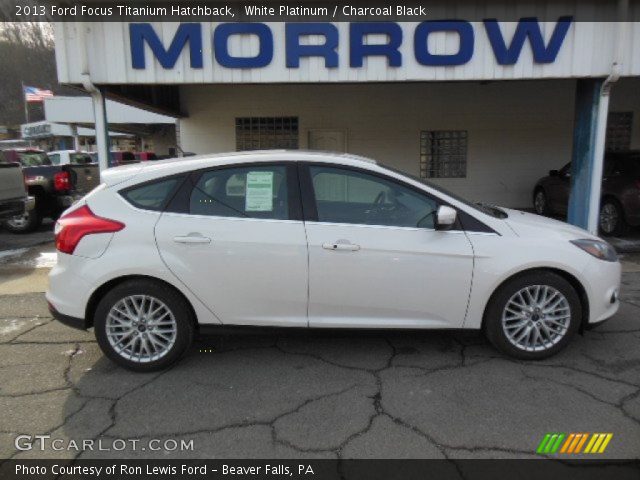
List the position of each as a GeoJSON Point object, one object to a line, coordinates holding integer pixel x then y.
{"type": "Point", "coordinates": [341, 246]}
{"type": "Point", "coordinates": [192, 238]}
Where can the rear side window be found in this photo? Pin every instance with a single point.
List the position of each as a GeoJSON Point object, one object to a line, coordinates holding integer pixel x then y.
{"type": "Point", "coordinates": [252, 192]}
{"type": "Point", "coordinates": [152, 196]}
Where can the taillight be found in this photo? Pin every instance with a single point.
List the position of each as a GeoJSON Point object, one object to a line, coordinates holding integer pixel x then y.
{"type": "Point", "coordinates": [61, 181]}
{"type": "Point", "coordinates": [638, 184]}
{"type": "Point", "coordinates": [71, 228]}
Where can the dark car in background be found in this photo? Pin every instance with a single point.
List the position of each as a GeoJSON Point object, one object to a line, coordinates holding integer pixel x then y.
{"type": "Point", "coordinates": [54, 187]}
{"type": "Point", "coordinates": [620, 205]}
{"type": "Point", "coordinates": [116, 158]}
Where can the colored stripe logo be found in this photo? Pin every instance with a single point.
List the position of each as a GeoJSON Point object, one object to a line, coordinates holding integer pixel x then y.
{"type": "Point", "coordinates": [574, 443]}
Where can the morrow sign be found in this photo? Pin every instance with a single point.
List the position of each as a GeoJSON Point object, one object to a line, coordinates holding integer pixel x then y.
{"type": "Point", "coordinates": [191, 37]}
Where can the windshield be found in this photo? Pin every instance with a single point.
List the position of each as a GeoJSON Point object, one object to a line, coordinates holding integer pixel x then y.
{"type": "Point", "coordinates": [33, 159]}
{"type": "Point", "coordinates": [481, 207]}
{"type": "Point", "coordinates": [80, 158]}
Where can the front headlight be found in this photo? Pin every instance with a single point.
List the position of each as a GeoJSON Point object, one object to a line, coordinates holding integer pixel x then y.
{"type": "Point", "coordinates": [597, 248]}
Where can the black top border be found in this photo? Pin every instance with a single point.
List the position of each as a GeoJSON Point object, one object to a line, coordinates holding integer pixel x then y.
{"type": "Point", "coordinates": [307, 11]}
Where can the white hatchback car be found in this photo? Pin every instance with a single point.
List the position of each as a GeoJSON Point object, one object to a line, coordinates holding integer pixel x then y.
{"type": "Point", "coordinates": [163, 250]}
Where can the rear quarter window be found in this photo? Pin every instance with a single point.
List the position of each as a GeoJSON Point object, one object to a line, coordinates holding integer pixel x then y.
{"type": "Point", "coordinates": [153, 195]}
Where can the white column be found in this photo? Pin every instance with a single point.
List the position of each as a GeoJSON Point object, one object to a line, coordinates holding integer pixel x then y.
{"type": "Point", "coordinates": [102, 129]}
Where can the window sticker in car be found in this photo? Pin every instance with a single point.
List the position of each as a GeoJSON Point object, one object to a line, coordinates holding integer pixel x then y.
{"type": "Point", "coordinates": [259, 194]}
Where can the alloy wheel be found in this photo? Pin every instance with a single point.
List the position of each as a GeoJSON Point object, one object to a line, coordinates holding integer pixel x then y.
{"type": "Point", "coordinates": [609, 218]}
{"type": "Point", "coordinates": [141, 328]}
{"type": "Point", "coordinates": [536, 318]}
{"type": "Point", "coordinates": [540, 203]}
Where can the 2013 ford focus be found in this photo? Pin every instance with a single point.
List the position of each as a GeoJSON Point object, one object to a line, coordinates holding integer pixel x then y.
{"type": "Point", "coordinates": [164, 250]}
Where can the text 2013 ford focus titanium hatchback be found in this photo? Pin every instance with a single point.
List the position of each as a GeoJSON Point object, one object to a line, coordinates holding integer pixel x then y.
{"type": "Point", "coordinates": [299, 239]}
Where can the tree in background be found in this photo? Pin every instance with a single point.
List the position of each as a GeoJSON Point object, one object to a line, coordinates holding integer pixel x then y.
{"type": "Point", "coordinates": [26, 56]}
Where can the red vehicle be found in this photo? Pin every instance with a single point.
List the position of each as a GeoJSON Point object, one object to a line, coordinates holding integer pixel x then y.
{"type": "Point", "coordinates": [117, 158]}
{"type": "Point", "coordinates": [145, 156]}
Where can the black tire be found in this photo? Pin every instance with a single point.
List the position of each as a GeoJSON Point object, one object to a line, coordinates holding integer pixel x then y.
{"type": "Point", "coordinates": [540, 204]}
{"type": "Point", "coordinates": [615, 224]}
{"type": "Point", "coordinates": [174, 301]}
{"type": "Point", "coordinates": [493, 326]}
{"type": "Point", "coordinates": [24, 224]}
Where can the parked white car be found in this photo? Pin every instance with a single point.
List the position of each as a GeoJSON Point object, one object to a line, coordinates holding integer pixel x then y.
{"type": "Point", "coordinates": [164, 250]}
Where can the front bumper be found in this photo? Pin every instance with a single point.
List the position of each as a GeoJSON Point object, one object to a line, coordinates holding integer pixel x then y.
{"type": "Point", "coordinates": [79, 323]}
{"type": "Point", "coordinates": [603, 289]}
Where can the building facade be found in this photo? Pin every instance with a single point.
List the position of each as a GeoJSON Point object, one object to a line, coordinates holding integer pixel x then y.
{"type": "Point", "coordinates": [482, 107]}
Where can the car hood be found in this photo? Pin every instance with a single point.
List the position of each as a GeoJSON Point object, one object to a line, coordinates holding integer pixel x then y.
{"type": "Point", "coordinates": [531, 225]}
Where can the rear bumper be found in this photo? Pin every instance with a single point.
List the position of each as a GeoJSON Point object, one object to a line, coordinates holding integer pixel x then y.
{"type": "Point", "coordinates": [79, 323]}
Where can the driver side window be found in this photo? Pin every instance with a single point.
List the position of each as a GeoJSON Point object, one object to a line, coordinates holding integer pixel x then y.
{"type": "Point", "coordinates": [354, 197]}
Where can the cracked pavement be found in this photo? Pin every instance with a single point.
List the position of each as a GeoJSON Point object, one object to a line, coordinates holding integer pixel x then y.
{"type": "Point", "coordinates": [317, 394]}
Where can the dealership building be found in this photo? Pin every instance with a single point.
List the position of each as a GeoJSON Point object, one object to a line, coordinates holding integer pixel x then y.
{"type": "Point", "coordinates": [483, 107]}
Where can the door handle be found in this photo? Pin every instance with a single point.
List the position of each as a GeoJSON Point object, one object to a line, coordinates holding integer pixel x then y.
{"type": "Point", "coordinates": [192, 238]}
{"type": "Point", "coordinates": [341, 246]}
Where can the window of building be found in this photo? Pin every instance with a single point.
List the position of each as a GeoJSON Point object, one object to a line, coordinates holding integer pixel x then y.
{"type": "Point", "coordinates": [348, 196]}
{"type": "Point", "coordinates": [443, 154]}
{"type": "Point", "coordinates": [266, 133]}
{"type": "Point", "coordinates": [253, 192]}
{"type": "Point", "coordinates": [619, 131]}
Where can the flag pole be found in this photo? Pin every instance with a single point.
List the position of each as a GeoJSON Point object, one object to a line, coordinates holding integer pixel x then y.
{"type": "Point", "coordinates": [26, 105]}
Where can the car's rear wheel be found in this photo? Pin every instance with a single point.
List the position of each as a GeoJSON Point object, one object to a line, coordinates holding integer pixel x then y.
{"type": "Point", "coordinates": [143, 325]}
{"type": "Point", "coordinates": [533, 316]}
{"type": "Point", "coordinates": [611, 220]}
{"type": "Point", "coordinates": [540, 202]}
{"type": "Point", "coordinates": [26, 223]}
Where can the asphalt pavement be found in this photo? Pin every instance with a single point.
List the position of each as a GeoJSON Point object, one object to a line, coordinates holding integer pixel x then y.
{"type": "Point", "coordinates": [315, 395]}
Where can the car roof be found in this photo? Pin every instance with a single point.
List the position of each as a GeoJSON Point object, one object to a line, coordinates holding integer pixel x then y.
{"type": "Point", "coordinates": [151, 170]}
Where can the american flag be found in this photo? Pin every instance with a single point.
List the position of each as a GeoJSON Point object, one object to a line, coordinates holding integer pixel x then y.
{"type": "Point", "coordinates": [34, 94]}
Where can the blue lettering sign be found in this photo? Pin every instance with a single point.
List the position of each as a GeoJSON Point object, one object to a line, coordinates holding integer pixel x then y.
{"type": "Point", "coordinates": [506, 52]}
{"type": "Point", "coordinates": [221, 45]}
{"type": "Point", "coordinates": [527, 28]}
{"type": "Point", "coordinates": [358, 50]}
{"type": "Point", "coordinates": [191, 33]}
{"type": "Point", "coordinates": [294, 31]}
{"type": "Point", "coordinates": [421, 43]}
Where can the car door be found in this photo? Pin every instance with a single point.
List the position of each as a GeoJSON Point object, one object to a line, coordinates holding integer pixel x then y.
{"type": "Point", "coordinates": [375, 258]}
{"type": "Point", "coordinates": [234, 236]}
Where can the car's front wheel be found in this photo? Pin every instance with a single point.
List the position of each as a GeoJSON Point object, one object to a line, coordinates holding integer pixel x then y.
{"type": "Point", "coordinates": [143, 325]}
{"type": "Point", "coordinates": [533, 316]}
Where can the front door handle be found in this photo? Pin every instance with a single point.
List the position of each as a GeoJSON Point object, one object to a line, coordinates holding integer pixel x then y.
{"type": "Point", "coordinates": [351, 247]}
{"type": "Point", "coordinates": [192, 238]}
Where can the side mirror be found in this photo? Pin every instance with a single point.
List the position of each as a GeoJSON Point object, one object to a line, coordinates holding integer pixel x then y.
{"type": "Point", "coordinates": [446, 217]}
{"type": "Point", "coordinates": [554, 173]}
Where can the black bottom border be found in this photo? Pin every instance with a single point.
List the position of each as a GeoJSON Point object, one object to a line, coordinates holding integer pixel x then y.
{"type": "Point", "coordinates": [548, 469]}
